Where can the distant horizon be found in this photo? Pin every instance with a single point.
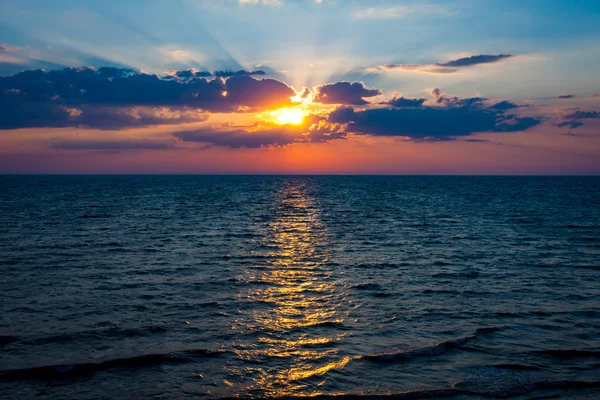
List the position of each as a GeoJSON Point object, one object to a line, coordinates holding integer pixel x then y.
{"type": "Point", "coordinates": [301, 174]}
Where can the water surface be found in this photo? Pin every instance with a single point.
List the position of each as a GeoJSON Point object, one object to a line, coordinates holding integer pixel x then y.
{"type": "Point", "coordinates": [208, 287]}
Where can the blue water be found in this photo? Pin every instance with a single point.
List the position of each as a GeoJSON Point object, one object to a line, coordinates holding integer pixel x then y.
{"type": "Point", "coordinates": [206, 287]}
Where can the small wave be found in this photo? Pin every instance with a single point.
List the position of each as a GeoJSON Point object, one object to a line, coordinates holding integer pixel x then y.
{"type": "Point", "coordinates": [518, 389]}
{"type": "Point", "coordinates": [434, 350]}
{"type": "Point", "coordinates": [367, 286]}
{"type": "Point", "coordinates": [569, 353]}
{"type": "Point", "coordinates": [592, 267]}
{"type": "Point", "coordinates": [377, 266]}
{"type": "Point", "coordinates": [4, 340]}
{"type": "Point", "coordinates": [114, 332]}
{"type": "Point", "coordinates": [517, 367]}
{"type": "Point", "coordinates": [457, 275]}
{"type": "Point", "coordinates": [325, 324]}
{"type": "Point", "coordinates": [63, 371]}
{"type": "Point", "coordinates": [240, 235]}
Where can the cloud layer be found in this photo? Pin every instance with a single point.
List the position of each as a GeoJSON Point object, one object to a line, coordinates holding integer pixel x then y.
{"type": "Point", "coordinates": [449, 67]}
{"type": "Point", "coordinates": [450, 118]}
{"type": "Point", "coordinates": [344, 93]}
{"type": "Point", "coordinates": [114, 97]}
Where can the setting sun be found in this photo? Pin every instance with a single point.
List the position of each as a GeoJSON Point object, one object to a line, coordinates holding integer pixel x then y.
{"type": "Point", "coordinates": [287, 116]}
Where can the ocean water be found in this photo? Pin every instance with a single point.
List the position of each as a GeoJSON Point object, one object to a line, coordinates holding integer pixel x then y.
{"type": "Point", "coordinates": [185, 287]}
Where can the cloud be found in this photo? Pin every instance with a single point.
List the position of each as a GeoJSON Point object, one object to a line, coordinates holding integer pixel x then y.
{"type": "Point", "coordinates": [453, 101]}
{"type": "Point", "coordinates": [109, 145]}
{"type": "Point", "coordinates": [573, 96]}
{"type": "Point", "coordinates": [449, 67]}
{"type": "Point", "coordinates": [40, 115]}
{"type": "Point", "coordinates": [381, 13]}
{"type": "Point", "coordinates": [344, 93]}
{"type": "Point", "coordinates": [503, 105]}
{"type": "Point", "coordinates": [265, 2]}
{"type": "Point", "coordinates": [401, 102]}
{"type": "Point", "coordinates": [37, 98]}
{"type": "Point", "coordinates": [237, 138]}
{"type": "Point", "coordinates": [4, 47]}
{"type": "Point", "coordinates": [453, 117]}
{"type": "Point", "coordinates": [475, 60]}
{"type": "Point", "coordinates": [572, 124]}
{"type": "Point", "coordinates": [430, 10]}
{"type": "Point", "coordinates": [315, 129]}
{"type": "Point", "coordinates": [423, 68]}
{"type": "Point", "coordinates": [113, 118]}
{"type": "Point", "coordinates": [584, 114]}
{"type": "Point", "coordinates": [573, 120]}
{"type": "Point", "coordinates": [193, 73]}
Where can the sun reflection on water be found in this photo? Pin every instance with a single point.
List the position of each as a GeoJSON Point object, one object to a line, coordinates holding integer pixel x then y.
{"type": "Point", "coordinates": [295, 314]}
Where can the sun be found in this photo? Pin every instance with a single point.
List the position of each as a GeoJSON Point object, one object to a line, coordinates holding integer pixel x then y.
{"type": "Point", "coordinates": [288, 116]}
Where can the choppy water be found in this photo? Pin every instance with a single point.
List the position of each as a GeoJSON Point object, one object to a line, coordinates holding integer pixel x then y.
{"type": "Point", "coordinates": [207, 287]}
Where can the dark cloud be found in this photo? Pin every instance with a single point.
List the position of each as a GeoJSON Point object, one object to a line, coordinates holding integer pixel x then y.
{"type": "Point", "coordinates": [344, 93]}
{"type": "Point", "coordinates": [454, 117]}
{"type": "Point", "coordinates": [572, 124]}
{"type": "Point", "coordinates": [227, 74]}
{"type": "Point", "coordinates": [454, 101]}
{"type": "Point", "coordinates": [418, 123]}
{"type": "Point", "coordinates": [114, 118]}
{"type": "Point", "coordinates": [573, 96]}
{"type": "Point", "coordinates": [573, 120]}
{"type": "Point", "coordinates": [504, 105]}
{"type": "Point", "coordinates": [477, 141]}
{"type": "Point", "coordinates": [475, 60]}
{"type": "Point", "coordinates": [37, 98]}
{"type": "Point", "coordinates": [110, 145]}
{"type": "Point", "coordinates": [315, 129]}
{"type": "Point", "coordinates": [583, 114]}
{"type": "Point", "coordinates": [449, 67]}
{"type": "Point", "coordinates": [511, 123]}
{"type": "Point", "coordinates": [237, 138]}
{"type": "Point", "coordinates": [192, 73]}
{"type": "Point", "coordinates": [402, 102]}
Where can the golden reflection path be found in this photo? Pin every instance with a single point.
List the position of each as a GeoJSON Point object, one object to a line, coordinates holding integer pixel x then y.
{"type": "Point", "coordinates": [290, 329]}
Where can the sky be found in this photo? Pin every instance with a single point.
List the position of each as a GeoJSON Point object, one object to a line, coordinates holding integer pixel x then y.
{"type": "Point", "coordinates": [300, 87]}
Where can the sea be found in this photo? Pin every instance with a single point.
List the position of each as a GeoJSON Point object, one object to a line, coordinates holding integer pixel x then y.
{"type": "Point", "coordinates": [333, 287]}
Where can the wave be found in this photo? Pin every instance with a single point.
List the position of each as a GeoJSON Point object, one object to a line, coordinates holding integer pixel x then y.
{"type": "Point", "coordinates": [457, 275]}
{"type": "Point", "coordinates": [4, 340]}
{"type": "Point", "coordinates": [569, 353]}
{"type": "Point", "coordinates": [434, 350]}
{"type": "Point", "coordinates": [66, 371]}
{"type": "Point", "coordinates": [517, 367]}
{"type": "Point", "coordinates": [379, 266]}
{"type": "Point", "coordinates": [324, 324]}
{"type": "Point", "coordinates": [367, 286]}
{"type": "Point", "coordinates": [518, 389]}
{"type": "Point", "coordinates": [85, 335]}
